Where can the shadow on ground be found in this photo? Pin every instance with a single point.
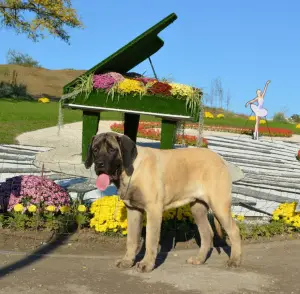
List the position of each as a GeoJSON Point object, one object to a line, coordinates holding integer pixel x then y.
{"type": "Point", "coordinates": [170, 238]}
{"type": "Point", "coordinates": [55, 241]}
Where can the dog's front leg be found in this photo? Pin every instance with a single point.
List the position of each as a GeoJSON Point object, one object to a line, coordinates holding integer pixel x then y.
{"type": "Point", "coordinates": [154, 219]}
{"type": "Point", "coordinates": [134, 218]}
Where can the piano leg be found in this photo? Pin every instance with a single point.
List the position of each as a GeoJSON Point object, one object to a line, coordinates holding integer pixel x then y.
{"type": "Point", "coordinates": [168, 134]}
{"type": "Point", "coordinates": [90, 124]}
{"type": "Point", "coordinates": [131, 125]}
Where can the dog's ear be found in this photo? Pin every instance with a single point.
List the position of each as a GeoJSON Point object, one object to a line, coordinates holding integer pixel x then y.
{"type": "Point", "coordinates": [89, 156]}
{"type": "Point", "coordinates": [129, 153]}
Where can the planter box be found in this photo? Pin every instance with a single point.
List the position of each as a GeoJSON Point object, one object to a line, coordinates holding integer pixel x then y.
{"type": "Point", "coordinates": [161, 106]}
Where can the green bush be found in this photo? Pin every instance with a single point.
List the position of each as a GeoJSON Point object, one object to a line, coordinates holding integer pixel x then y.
{"type": "Point", "coordinates": [296, 118]}
{"type": "Point", "coordinates": [10, 90]}
{"type": "Point", "coordinates": [279, 117]}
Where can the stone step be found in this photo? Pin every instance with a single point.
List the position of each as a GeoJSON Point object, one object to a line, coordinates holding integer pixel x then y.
{"type": "Point", "coordinates": [15, 157]}
{"type": "Point", "coordinates": [237, 202]}
{"type": "Point", "coordinates": [261, 172]}
{"type": "Point", "coordinates": [255, 162]}
{"type": "Point", "coordinates": [261, 195]}
{"type": "Point", "coordinates": [272, 178]}
{"type": "Point", "coordinates": [276, 145]}
{"type": "Point", "coordinates": [16, 151]}
{"type": "Point", "coordinates": [221, 150]}
{"type": "Point", "coordinates": [13, 161]}
{"type": "Point", "coordinates": [274, 186]}
{"type": "Point", "coordinates": [26, 147]}
{"type": "Point", "coordinates": [273, 171]}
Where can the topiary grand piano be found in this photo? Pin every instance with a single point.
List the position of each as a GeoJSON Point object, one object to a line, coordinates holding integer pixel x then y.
{"type": "Point", "coordinates": [109, 86]}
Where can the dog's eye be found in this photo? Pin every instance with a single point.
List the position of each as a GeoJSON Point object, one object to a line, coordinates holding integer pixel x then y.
{"type": "Point", "coordinates": [95, 150]}
{"type": "Point", "coordinates": [111, 150]}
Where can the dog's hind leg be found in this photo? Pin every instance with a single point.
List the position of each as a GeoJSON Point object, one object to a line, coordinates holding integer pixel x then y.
{"type": "Point", "coordinates": [199, 211]}
{"type": "Point", "coordinates": [222, 211]}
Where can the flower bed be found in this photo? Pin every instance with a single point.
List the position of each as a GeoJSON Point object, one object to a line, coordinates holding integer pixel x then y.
{"type": "Point", "coordinates": [111, 89]}
{"type": "Point", "coordinates": [151, 130]}
{"type": "Point", "coordinates": [286, 213]}
{"type": "Point", "coordinates": [108, 215]}
{"type": "Point", "coordinates": [36, 190]}
{"type": "Point", "coordinates": [274, 132]}
{"type": "Point", "coordinates": [49, 218]}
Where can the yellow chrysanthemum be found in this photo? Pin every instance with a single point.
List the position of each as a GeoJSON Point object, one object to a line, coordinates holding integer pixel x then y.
{"type": "Point", "coordinates": [50, 208]}
{"type": "Point", "coordinates": [286, 212]}
{"type": "Point", "coordinates": [182, 90]}
{"type": "Point", "coordinates": [32, 208]}
{"type": "Point", "coordinates": [64, 209]}
{"type": "Point", "coordinates": [240, 218]}
{"type": "Point", "coordinates": [109, 214]}
{"type": "Point", "coordinates": [220, 115]}
{"type": "Point", "coordinates": [252, 117]}
{"type": "Point", "coordinates": [81, 208]}
{"type": "Point", "coordinates": [262, 121]}
{"type": "Point", "coordinates": [298, 126]}
{"type": "Point", "coordinates": [207, 114]}
{"type": "Point", "coordinates": [44, 100]}
{"type": "Point", "coordinates": [129, 86]}
{"type": "Point", "coordinates": [18, 207]}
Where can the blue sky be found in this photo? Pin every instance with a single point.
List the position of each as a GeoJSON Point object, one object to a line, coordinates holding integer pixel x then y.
{"type": "Point", "coordinates": [245, 43]}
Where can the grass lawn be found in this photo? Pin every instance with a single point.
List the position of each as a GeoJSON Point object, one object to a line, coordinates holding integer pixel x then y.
{"type": "Point", "coordinates": [17, 117]}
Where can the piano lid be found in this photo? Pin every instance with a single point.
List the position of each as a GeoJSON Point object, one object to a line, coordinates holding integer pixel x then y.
{"type": "Point", "coordinates": [133, 53]}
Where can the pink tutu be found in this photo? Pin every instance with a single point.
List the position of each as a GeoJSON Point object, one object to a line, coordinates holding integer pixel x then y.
{"type": "Point", "coordinates": [259, 111]}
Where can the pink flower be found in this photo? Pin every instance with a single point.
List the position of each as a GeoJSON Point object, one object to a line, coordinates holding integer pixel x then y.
{"type": "Point", "coordinates": [36, 189]}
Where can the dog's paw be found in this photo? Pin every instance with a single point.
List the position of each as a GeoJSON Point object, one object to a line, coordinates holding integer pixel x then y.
{"type": "Point", "coordinates": [196, 260]}
{"type": "Point", "coordinates": [144, 267]}
{"type": "Point", "coordinates": [232, 263]}
{"type": "Point", "coordinates": [124, 263]}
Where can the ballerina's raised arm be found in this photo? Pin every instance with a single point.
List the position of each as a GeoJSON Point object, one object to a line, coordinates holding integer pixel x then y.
{"type": "Point", "coordinates": [259, 94]}
{"type": "Point", "coordinates": [266, 87]}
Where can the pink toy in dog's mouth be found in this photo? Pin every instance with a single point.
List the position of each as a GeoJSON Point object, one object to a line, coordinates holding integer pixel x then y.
{"type": "Point", "coordinates": [103, 182]}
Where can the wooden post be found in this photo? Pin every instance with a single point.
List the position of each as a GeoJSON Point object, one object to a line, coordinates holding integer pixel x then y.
{"type": "Point", "coordinates": [90, 123]}
{"type": "Point", "coordinates": [168, 134]}
{"type": "Point", "coordinates": [131, 125]}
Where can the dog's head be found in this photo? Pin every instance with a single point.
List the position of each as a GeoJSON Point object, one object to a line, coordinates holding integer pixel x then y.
{"type": "Point", "coordinates": [112, 154]}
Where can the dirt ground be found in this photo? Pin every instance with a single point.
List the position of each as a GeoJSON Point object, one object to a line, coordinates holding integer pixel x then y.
{"type": "Point", "coordinates": [72, 265]}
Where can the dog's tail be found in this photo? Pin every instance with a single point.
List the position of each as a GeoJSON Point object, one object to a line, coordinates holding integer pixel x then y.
{"type": "Point", "coordinates": [218, 227]}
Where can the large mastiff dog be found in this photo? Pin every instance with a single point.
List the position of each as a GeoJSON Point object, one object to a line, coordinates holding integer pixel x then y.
{"type": "Point", "coordinates": [154, 180]}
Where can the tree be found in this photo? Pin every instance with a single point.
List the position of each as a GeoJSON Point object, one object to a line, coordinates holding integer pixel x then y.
{"type": "Point", "coordinates": [295, 118]}
{"type": "Point", "coordinates": [228, 99]}
{"type": "Point", "coordinates": [212, 94]}
{"type": "Point", "coordinates": [219, 91]}
{"type": "Point", "coordinates": [14, 57]}
{"type": "Point", "coordinates": [33, 17]}
{"type": "Point", "coordinates": [216, 91]}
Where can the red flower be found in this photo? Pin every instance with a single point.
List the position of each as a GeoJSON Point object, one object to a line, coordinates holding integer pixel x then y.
{"type": "Point", "coordinates": [160, 88]}
{"type": "Point", "coordinates": [151, 130]}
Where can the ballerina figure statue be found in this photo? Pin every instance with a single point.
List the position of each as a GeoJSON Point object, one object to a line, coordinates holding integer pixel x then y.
{"type": "Point", "coordinates": [258, 109]}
